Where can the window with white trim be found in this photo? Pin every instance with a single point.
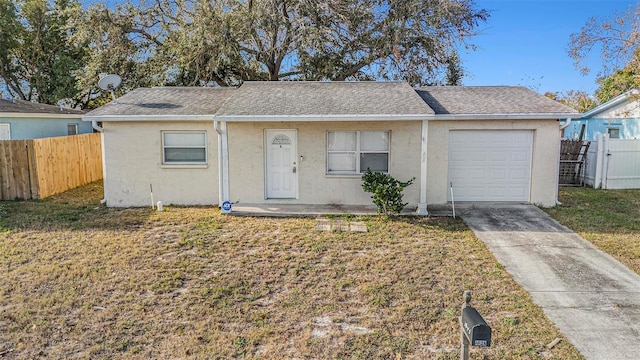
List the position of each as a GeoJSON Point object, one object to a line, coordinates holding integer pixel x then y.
{"type": "Point", "coordinates": [5, 131]}
{"type": "Point", "coordinates": [184, 147]}
{"type": "Point", "coordinates": [352, 152]}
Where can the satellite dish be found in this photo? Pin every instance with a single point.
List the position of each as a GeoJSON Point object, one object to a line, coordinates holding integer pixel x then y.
{"type": "Point", "coordinates": [109, 83]}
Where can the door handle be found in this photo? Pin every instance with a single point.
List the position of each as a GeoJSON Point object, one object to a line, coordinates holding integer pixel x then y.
{"type": "Point", "coordinates": [294, 169]}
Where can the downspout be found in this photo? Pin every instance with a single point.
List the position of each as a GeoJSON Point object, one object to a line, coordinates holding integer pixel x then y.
{"type": "Point", "coordinates": [100, 129]}
{"type": "Point", "coordinates": [96, 127]}
{"type": "Point", "coordinates": [562, 127]}
{"type": "Point", "coordinates": [422, 205]}
{"type": "Point", "coordinates": [223, 161]}
{"type": "Point", "coordinates": [567, 123]}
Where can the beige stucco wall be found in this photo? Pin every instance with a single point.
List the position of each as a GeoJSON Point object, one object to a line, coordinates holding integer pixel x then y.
{"type": "Point", "coordinates": [247, 157]}
{"type": "Point", "coordinates": [133, 161]}
{"type": "Point", "coordinates": [544, 167]}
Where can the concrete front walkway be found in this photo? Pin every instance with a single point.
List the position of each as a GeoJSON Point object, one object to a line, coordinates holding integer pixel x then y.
{"type": "Point", "coordinates": [593, 299]}
{"type": "Point", "coordinates": [305, 210]}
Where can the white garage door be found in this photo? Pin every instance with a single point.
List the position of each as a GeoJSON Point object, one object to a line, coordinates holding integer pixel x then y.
{"type": "Point", "coordinates": [490, 165]}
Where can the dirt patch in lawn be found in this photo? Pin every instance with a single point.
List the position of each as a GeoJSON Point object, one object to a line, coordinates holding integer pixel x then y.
{"type": "Point", "coordinates": [83, 281]}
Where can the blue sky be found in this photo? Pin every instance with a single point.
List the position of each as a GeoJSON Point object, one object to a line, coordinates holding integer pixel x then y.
{"type": "Point", "coordinates": [525, 43]}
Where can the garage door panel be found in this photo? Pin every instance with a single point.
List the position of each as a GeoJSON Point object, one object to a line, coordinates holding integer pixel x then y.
{"type": "Point", "coordinates": [472, 192]}
{"type": "Point", "coordinates": [519, 174]}
{"type": "Point", "coordinates": [498, 192]}
{"type": "Point", "coordinates": [490, 165]}
{"type": "Point", "coordinates": [498, 175]}
{"type": "Point", "coordinates": [517, 192]}
{"type": "Point", "coordinates": [520, 156]}
{"type": "Point", "coordinates": [497, 156]}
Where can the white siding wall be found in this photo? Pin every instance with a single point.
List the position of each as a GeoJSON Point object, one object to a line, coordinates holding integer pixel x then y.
{"type": "Point", "coordinates": [133, 161]}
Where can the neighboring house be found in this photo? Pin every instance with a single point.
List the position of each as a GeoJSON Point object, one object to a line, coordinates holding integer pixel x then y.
{"type": "Point", "coordinates": [28, 120]}
{"type": "Point", "coordinates": [618, 117]}
{"type": "Point", "coordinates": [309, 142]}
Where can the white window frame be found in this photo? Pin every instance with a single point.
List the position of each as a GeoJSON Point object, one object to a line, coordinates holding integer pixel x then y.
{"type": "Point", "coordinates": [179, 163]}
{"type": "Point", "coordinates": [8, 130]}
{"type": "Point", "coordinates": [357, 152]}
{"type": "Point", "coordinates": [75, 126]}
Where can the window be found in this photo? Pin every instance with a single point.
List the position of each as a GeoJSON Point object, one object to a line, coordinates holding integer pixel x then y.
{"type": "Point", "coordinates": [184, 147]}
{"type": "Point", "coordinates": [352, 152]}
{"type": "Point", "coordinates": [72, 129]}
{"type": "Point", "coordinates": [5, 132]}
{"type": "Point", "coordinates": [614, 133]}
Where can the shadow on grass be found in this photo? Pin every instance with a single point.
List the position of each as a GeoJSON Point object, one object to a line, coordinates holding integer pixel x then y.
{"type": "Point", "coordinates": [77, 209]}
{"type": "Point", "coordinates": [598, 211]}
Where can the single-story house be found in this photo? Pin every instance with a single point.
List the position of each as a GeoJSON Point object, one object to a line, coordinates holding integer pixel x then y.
{"type": "Point", "coordinates": [309, 143]}
{"type": "Point", "coordinates": [618, 117]}
{"type": "Point", "coordinates": [21, 120]}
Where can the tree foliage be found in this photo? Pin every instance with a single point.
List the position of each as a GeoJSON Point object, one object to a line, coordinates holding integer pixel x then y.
{"type": "Point", "coordinates": [617, 40]}
{"type": "Point", "coordinates": [455, 72]}
{"type": "Point", "coordinates": [36, 61]}
{"type": "Point", "coordinates": [617, 83]}
{"type": "Point", "coordinates": [58, 49]}
{"type": "Point", "coordinates": [226, 42]}
{"type": "Point", "coordinates": [579, 100]}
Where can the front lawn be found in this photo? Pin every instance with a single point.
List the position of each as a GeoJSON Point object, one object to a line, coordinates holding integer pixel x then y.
{"type": "Point", "coordinates": [609, 219]}
{"type": "Point", "coordinates": [83, 281]}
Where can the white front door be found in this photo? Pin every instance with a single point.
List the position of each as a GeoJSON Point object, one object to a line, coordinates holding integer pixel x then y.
{"type": "Point", "coordinates": [281, 168]}
{"type": "Point", "coordinates": [5, 132]}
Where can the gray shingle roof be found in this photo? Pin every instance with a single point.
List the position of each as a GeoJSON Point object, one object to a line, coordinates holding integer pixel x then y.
{"type": "Point", "coordinates": [28, 107]}
{"type": "Point", "coordinates": [288, 98]}
{"type": "Point", "coordinates": [350, 99]}
{"type": "Point", "coordinates": [490, 100]}
{"type": "Point", "coordinates": [167, 101]}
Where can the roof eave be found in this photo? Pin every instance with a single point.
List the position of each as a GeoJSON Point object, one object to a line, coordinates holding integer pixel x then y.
{"type": "Point", "coordinates": [147, 117]}
{"type": "Point", "coordinates": [337, 117]}
{"type": "Point", "coordinates": [319, 117]}
{"type": "Point", "coordinates": [524, 116]}
{"type": "Point", "coordinates": [38, 115]}
{"type": "Point", "coordinates": [620, 99]}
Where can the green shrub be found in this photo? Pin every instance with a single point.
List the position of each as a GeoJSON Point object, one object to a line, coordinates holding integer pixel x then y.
{"type": "Point", "coordinates": [386, 191]}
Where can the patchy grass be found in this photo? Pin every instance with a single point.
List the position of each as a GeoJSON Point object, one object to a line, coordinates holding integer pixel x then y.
{"type": "Point", "coordinates": [83, 281]}
{"type": "Point", "coordinates": [610, 219]}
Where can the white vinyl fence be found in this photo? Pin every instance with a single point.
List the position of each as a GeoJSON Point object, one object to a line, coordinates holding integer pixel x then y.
{"type": "Point", "coordinates": [613, 164]}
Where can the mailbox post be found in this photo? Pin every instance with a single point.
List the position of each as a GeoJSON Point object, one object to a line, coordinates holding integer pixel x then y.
{"type": "Point", "coordinates": [473, 329]}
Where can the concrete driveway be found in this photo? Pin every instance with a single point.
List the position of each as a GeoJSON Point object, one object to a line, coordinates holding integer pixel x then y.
{"type": "Point", "coordinates": [592, 298]}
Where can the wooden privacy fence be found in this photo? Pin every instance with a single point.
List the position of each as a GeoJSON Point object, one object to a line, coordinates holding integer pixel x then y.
{"type": "Point", "coordinates": [35, 169]}
{"type": "Point", "coordinates": [573, 155]}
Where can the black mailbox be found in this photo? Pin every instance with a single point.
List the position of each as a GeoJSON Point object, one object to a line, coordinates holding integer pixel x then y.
{"type": "Point", "coordinates": [475, 328]}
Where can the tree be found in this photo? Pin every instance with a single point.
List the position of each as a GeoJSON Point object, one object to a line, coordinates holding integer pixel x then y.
{"type": "Point", "coordinates": [9, 24]}
{"type": "Point", "coordinates": [578, 100]}
{"type": "Point", "coordinates": [36, 61]}
{"type": "Point", "coordinates": [455, 73]}
{"type": "Point", "coordinates": [226, 42]}
{"type": "Point", "coordinates": [118, 41]}
{"type": "Point", "coordinates": [617, 38]}
{"type": "Point", "coordinates": [617, 83]}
